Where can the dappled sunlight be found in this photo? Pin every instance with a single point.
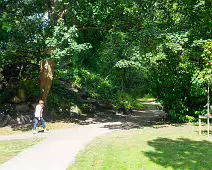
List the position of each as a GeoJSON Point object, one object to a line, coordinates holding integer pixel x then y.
{"type": "Point", "coordinates": [181, 153]}
{"type": "Point", "coordinates": [137, 119]}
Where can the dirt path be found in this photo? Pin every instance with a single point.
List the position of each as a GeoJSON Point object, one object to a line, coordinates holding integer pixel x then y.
{"type": "Point", "coordinates": [59, 149]}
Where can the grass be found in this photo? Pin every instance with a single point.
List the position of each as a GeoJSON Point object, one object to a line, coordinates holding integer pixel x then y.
{"type": "Point", "coordinates": [25, 128]}
{"type": "Point", "coordinates": [11, 148]}
{"type": "Point", "coordinates": [147, 98]}
{"type": "Point", "coordinates": [160, 148]}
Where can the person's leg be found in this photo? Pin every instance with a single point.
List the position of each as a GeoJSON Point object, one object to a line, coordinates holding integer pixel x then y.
{"type": "Point", "coordinates": [35, 124]}
{"type": "Point", "coordinates": [43, 124]}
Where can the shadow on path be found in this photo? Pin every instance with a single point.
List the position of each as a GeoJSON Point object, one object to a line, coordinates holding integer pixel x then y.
{"type": "Point", "coordinates": [151, 115]}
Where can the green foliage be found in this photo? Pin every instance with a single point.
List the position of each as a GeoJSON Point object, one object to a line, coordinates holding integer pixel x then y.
{"type": "Point", "coordinates": [60, 98]}
{"type": "Point", "coordinates": [124, 100]}
{"type": "Point", "coordinates": [187, 118]}
{"type": "Point", "coordinates": [158, 47]}
{"type": "Point", "coordinates": [203, 73]}
{"type": "Point", "coordinates": [202, 112]}
{"type": "Point", "coordinates": [6, 95]}
{"type": "Point", "coordinates": [64, 41]}
{"type": "Point", "coordinates": [31, 87]}
{"type": "Point", "coordinates": [97, 86]}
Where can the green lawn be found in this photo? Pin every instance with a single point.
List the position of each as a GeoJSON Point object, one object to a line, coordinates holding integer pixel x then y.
{"type": "Point", "coordinates": [10, 148]}
{"type": "Point", "coordinates": [151, 148]}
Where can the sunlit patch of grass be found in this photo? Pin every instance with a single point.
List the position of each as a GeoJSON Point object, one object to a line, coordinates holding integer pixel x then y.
{"type": "Point", "coordinates": [10, 148]}
{"type": "Point", "coordinates": [8, 131]}
{"type": "Point", "coordinates": [162, 148]}
{"type": "Point", "coordinates": [147, 98]}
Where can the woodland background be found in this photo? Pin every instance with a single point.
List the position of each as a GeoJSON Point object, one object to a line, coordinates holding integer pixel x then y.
{"type": "Point", "coordinates": [91, 56]}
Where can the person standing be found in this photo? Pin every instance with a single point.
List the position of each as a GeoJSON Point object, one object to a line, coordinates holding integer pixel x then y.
{"type": "Point", "coordinates": [39, 116]}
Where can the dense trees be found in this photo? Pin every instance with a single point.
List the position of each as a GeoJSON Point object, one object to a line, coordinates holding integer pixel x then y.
{"type": "Point", "coordinates": [114, 48]}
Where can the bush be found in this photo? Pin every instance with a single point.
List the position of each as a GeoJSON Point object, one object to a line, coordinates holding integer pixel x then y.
{"type": "Point", "coordinates": [31, 87]}
{"type": "Point", "coordinates": [97, 86]}
{"type": "Point", "coordinates": [187, 118]}
{"type": "Point", "coordinates": [61, 99]}
{"type": "Point", "coordinates": [127, 101]}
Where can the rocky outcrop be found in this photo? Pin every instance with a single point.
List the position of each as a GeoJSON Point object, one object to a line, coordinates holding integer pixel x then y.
{"type": "Point", "coordinates": [16, 114]}
{"type": "Point", "coordinates": [11, 77]}
{"type": "Point", "coordinates": [87, 105]}
{"type": "Point", "coordinates": [22, 108]}
{"type": "Point", "coordinates": [15, 99]}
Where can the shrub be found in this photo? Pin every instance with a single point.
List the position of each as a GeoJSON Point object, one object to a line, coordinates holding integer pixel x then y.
{"type": "Point", "coordinates": [187, 118]}
{"type": "Point", "coordinates": [31, 87]}
{"type": "Point", "coordinates": [127, 101]}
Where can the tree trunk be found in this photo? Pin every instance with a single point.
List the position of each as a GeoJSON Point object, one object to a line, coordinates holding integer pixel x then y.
{"type": "Point", "coordinates": [46, 78]}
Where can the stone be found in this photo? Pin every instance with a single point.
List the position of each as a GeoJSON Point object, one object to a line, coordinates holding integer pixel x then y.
{"type": "Point", "coordinates": [75, 109]}
{"type": "Point", "coordinates": [34, 105]}
{"type": "Point", "coordinates": [1, 86]}
{"type": "Point", "coordinates": [21, 120]}
{"type": "Point", "coordinates": [106, 105]}
{"type": "Point", "coordinates": [15, 99]}
{"type": "Point", "coordinates": [5, 119]}
{"type": "Point", "coordinates": [5, 109]}
{"type": "Point", "coordinates": [22, 108]}
{"type": "Point", "coordinates": [22, 95]}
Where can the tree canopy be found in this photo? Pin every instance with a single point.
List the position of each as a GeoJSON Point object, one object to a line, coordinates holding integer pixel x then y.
{"type": "Point", "coordinates": [115, 48]}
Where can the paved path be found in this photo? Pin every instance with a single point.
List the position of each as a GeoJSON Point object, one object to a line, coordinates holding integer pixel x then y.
{"type": "Point", "coordinates": [57, 151]}
{"type": "Point", "coordinates": [60, 147]}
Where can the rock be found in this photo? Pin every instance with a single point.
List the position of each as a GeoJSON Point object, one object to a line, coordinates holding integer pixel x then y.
{"type": "Point", "coordinates": [12, 84]}
{"type": "Point", "coordinates": [34, 105]}
{"type": "Point", "coordinates": [8, 109]}
{"type": "Point", "coordinates": [23, 108]}
{"type": "Point", "coordinates": [5, 109]}
{"type": "Point", "coordinates": [22, 95]}
{"type": "Point", "coordinates": [16, 100]}
{"type": "Point", "coordinates": [84, 94]}
{"type": "Point", "coordinates": [89, 100]}
{"type": "Point", "coordinates": [5, 119]}
{"type": "Point", "coordinates": [75, 109]}
{"type": "Point", "coordinates": [21, 120]}
{"type": "Point", "coordinates": [1, 86]}
{"type": "Point", "coordinates": [110, 112]}
{"type": "Point", "coordinates": [105, 105]}
{"type": "Point", "coordinates": [24, 119]}
{"type": "Point", "coordinates": [122, 111]}
{"type": "Point", "coordinates": [88, 108]}
{"type": "Point", "coordinates": [99, 114]}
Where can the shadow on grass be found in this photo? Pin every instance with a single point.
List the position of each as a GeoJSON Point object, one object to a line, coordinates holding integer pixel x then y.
{"type": "Point", "coordinates": [181, 153]}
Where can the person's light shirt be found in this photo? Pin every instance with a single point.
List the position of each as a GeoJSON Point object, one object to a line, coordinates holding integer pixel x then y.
{"type": "Point", "coordinates": [38, 111]}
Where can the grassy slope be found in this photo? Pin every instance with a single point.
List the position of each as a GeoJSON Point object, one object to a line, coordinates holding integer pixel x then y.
{"type": "Point", "coordinates": [159, 148]}
{"type": "Point", "coordinates": [11, 148]}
